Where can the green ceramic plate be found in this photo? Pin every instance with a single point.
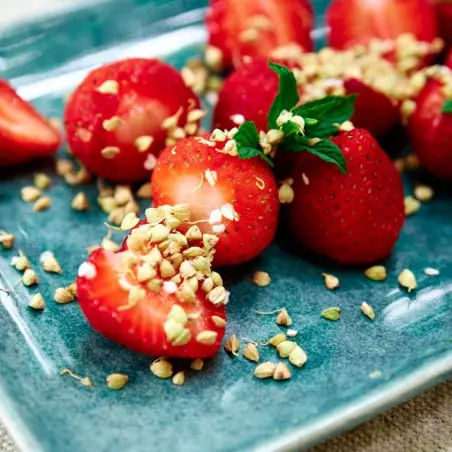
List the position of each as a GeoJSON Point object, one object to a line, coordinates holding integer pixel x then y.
{"type": "Point", "coordinates": [356, 367]}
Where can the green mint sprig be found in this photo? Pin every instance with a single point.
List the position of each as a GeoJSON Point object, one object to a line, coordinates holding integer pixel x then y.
{"type": "Point", "coordinates": [321, 118]}
{"type": "Point", "coordinates": [447, 106]}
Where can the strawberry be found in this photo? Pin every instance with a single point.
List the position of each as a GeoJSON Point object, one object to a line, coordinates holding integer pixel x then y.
{"type": "Point", "coordinates": [247, 93]}
{"type": "Point", "coordinates": [354, 218]}
{"type": "Point", "coordinates": [24, 133]}
{"type": "Point", "coordinates": [160, 297]}
{"type": "Point", "coordinates": [354, 22]}
{"type": "Point", "coordinates": [430, 126]}
{"type": "Point", "coordinates": [385, 111]}
{"type": "Point", "coordinates": [122, 116]}
{"type": "Point", "coordinates": [254, 28]}
{"type": "Point", "coordinates": [235, 199]}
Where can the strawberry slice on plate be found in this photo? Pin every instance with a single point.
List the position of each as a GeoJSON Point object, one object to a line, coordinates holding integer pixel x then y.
{"type": "Point", "coordinates": [124, 114]}
{"type": "Point", "coordinates": [24, 133]}
{"type": "Point", "coordinates": [160, 297]}
{"type": "Point", "coordinates": [254, 28]}
{"type": "Point", "coordinates": [235, 199]}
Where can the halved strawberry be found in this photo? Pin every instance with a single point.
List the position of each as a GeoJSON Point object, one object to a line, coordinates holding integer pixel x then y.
{"type": "Point", "coordinates": [357, 22]}
{"type": "Point", "coordinates": [24, 133]}
{"type": "Point", "coordinates": [160, 297]}
{"type": "Point", "coordinates": [254, 28]}
{"type": "Point", "coordinates": [233, 198]}
{"type": "Point", "coordinates": [123, 115]}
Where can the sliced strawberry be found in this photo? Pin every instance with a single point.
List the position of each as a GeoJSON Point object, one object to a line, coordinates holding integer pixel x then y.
{"type": "Point", "coordinates": [385, 112]}
{"type": "Point", "coordinates": [104, 288]}
{"type": "Point", "coordinates": [254, 28]}
{"type": "Point", "coordinates": [356, 22]}
{"type": "Point", "coordinates": [24, 133]}
{"type": "Point", "coordinates": [233, 198]}
{"type": "Point", "coordinates": [115, 118]}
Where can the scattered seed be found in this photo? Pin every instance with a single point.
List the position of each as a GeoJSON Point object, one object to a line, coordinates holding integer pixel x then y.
{"type": "Point", "coordinates": [331, 282]}
{"type": "Point", "coordinates": [264, 370]}
{"type": "Point", "coordinates": [232, 344]}
{"type": "Point", "coordinates": [261, 279]}
{"type": "Point", "coordinates": [63, 167]}
{"type": "Point", "coordinates": [117, 381]}
{"type": "Point", "coordinates": [283, 318]}
{"type": "Point", "coordinates": [110, 152]}
{"type": "Point", "coordinates": [62, 295]}
{"type": "Point", "coordinates": [286, 194]}
{"type": "Point", "coordinates": [29, 277]}
{"type": "Point", "coordinates": [145, 192]}
{"type": "Point", "coordinates": [179, 378]}
{"type": "Point", "coordinates": [407, 280]}
{"type": "Point", "coordinates": [42, 181]}
{"type": "Point", "coordinates": [412, 205]}
{"type": "Point", "coordinates": [277, 339]}
{"type": "Point", "coordinates": [43, 203]}
{"type": "Point", "coordinates": [30, 194]}
{"type": "Point", "coordinates": [251, 352]}
{"type": "Point", "coordinates": [72, 288]}
{"type": "Point", "coordinates": [207, 337]}
{"type": "Point", "coordinates": [282, 372]}
{"type": "Point", "coordinates": [80, 202]}
{"type": "Point", "coordinates": [423, 193]}
{"type": "Point", "coordinates": [220, 322]}
{"type": "Point", "coordinates": [368, 310]}
{"type": "Point", "coordinates": [110, 245]}
{"type": "Point", "coordinates": [214, 58]}
{"type": "Point", "coordinates": [116, 216]}
{"type": "Point", "coordinates": [37, 302]}
{"type": "Point", "coordinates": [109, 87]}
{"type": "Point", "coordinates": [197, 364]}
{"type": "Point", "coordinates": [110, 125]}
{"type": "Point", "coordinates": [20, 262]}
{"type": "Point", "coordinates": [285, 348]}
{"type": "Point", "coordinates": [162, 368]}
{"type": "Point", "coordinates": [85, 381]}
{"type": "Point", "coordinates": [376, 273]}
{"type": "Point", "coordinates": [431, 271]}
{"type": "Point", "coordinates": [6, 239]}
{"type": "Point", "coordinates": [292, 333]}
{"type": "Point", "coordinates": [376, 374]}
{"type": "Point", "coordinates": [298, 356]}
{"type": "Point", "coordinates": [333, 313]}
{"type": "Point", "coordinates": [144, 142]}
{"type": "Point", "coordinates": [49, 262]}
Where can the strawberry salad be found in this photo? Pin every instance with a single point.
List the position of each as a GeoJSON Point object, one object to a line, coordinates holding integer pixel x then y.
{"type": "Point", "coordinates": [294, 132]}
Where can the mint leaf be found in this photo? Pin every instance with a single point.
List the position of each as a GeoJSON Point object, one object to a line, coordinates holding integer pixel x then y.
{"type": "Point", "coordinates": [247, 136]}
{"type": "Point", "coordinates": [447, 106]}
{"type": "Point", "coordinates": [328, 111]}
{"type": "Point", "coordinates": [247, 142]}
{"type": "Point", "coordinates": [287, 96]}
{"type": "Point", "coordinates": [325, 149]}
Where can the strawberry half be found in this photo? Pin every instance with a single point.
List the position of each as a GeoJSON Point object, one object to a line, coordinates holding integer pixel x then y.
{"type": "Point", "coordinates": [254, 28]}
{"type": "Point", "coordinates": [159, 297]}
{"type": "Point", "coordinates": [354, 218]}
{"type": "Point", "coordinates": [233, 198]}
{"type": "Point", "coordinates": [124, 114]}
{"type": "Point", "coordinates": [24, 133]}
{"type": "Point", "coordinates": [357, 22]}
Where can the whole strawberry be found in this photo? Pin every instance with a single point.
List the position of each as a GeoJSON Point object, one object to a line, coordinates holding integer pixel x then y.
{"type": "Point", "coordinates": [430, 126]}
{"type": "Point", "coordinates": [123, 115]}
{"type": "Point", "coordinates": [354, 218]}
{"type": "Point", "coordinates": [231, 199]}
{"type": "Point", "coordinates": [254, 28]}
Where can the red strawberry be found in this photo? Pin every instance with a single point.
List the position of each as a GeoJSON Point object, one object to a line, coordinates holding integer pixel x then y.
{"type": "Point", "coordinates": [115, 118]}
{"type": "Point", "coordinates": [354, 22]}
{"type": "Point", "coordinates": [240, 197]}
{"type": "Point", "coordinates": [24, 133]}
{"type": "Point", "coordinates": [385, 112]}
{"type": "Point", "coordinates": [444, 16]}
{"type": "Point", "coordinates": [256, 28]}
{"type": "Point", "coordinates": [247, 93]}
{"type": "Point", "coordinates": [430, 129]}
{"type": "Point", "coordinates": [354, 218]}
{"type": "Point", "coordinates": [160, 297]}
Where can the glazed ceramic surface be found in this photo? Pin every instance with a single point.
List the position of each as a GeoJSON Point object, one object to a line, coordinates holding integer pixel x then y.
{"type": "Point", "coordinates": [355, 369]}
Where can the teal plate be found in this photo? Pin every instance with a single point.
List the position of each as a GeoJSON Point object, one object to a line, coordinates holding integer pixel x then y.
{"type": "Point", "coordinates": [356, 367]}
